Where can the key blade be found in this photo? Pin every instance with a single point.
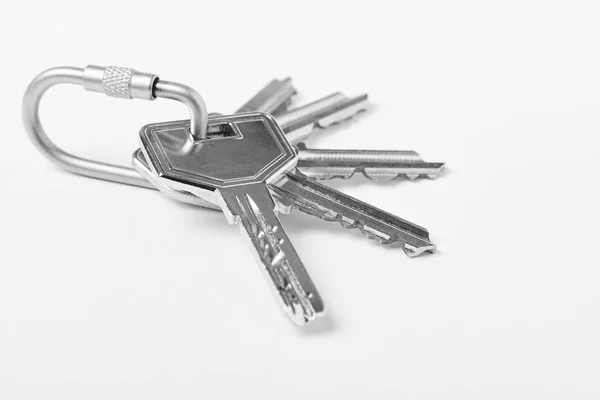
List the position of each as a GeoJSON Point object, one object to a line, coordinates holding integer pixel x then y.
{"type": "Point", "coordinates": [252, 207]}
{"type": "Point", "coordinates": [272, 99]}
{"type": "Point", "coordinates": [301, 122]}
{"type": "Point", "coordinates": [297, 191]}
{"type": "Point", "coordinates": [315, 108]}
{"type": "Point", "coordinates": [373, 164]}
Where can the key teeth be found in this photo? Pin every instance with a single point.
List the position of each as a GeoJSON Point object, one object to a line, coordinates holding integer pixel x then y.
{"type": "Point", "coordinates": [412, 251]}
{"type": "Point", "coordinates": [409, 250]}
{"type": "Point", "coordinates": [389, 177]}
{"type": "Point", "coordinates": [374, 177]}
{"type": "Point", "coordinates": [384, 177]}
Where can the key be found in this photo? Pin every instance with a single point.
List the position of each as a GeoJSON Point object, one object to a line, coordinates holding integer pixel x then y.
{"type": "Point", "coordinates": [379, 165]}
{"type": "Point", "coordinates": [273, 98]}
{"type": "Point", "coordinates": [297, 191]}
{"type": "Point", "coordinates": [232, 169]}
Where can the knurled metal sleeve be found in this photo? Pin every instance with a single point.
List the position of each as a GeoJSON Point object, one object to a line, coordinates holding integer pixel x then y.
{"type": "Point", "coordinates": [125, 83]}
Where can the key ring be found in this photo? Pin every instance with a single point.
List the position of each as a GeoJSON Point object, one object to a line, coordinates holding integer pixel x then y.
{"type": "Point", "coordinates": [115, 82]}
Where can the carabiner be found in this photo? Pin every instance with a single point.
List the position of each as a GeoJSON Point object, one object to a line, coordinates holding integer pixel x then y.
{"type": "Point", "coordinates": [115, 82]}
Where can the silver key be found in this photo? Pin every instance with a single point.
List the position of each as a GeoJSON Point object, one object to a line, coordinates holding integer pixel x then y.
{"type": "Point", "coordinates": [296, 191]}
{"type": "Point", "coordinates": [231, 169]}
{"type": "Point", "coordinates": [379, 165]}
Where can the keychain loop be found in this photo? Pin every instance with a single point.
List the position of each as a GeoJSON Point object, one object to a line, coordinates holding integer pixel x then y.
{"type": "Point", "coordinates": [115, 82]}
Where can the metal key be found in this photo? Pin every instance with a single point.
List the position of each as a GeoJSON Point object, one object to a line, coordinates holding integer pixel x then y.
{"type": "Point", "coordinates": [296, 191]}
{"type": "Point", "coordinates": [231, 169]}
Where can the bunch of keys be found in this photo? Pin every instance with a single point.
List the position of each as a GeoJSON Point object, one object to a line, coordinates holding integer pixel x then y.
{"type": "Point", "coordinates": [252, 165]}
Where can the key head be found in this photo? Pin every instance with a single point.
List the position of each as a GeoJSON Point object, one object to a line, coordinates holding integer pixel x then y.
{"type": "Point", "coordinates": [239, 149]}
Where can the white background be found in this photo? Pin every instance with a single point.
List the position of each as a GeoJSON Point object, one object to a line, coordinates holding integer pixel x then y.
{"type": "Point", "coordinates": [115, 292]}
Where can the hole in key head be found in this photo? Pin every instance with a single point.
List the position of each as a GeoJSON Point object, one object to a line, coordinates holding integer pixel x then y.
{"type": "Point", "coordinates": [222, 130]}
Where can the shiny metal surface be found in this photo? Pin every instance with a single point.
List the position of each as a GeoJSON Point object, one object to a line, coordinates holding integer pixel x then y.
{"type": "Point", "coordinates": [316, 107]}
{"type": "Point", "coordinates": [301, 122]}
{"type": "Point", "coordinates": [296, 191]}
{"type": "Point", "coordinates": [231, 169]}
{"type": "Point", "coordinates": [379, 165]}
{"type": "Point", "coordinates": [128, 83]}
{"type": "Point", "coordinates": [253, 209]}
{"type": "Point", "coordinates": [141, 166]}
{"type": "Point", "coordinates": [189, 97]}
{"type": "Point", "coordinates": [304, 117]}
{"type": "Point", "coordinates": [272, 99]}
{"type": "Point", "coordinates": [326, 164]}
{"type": "Point", "coordinates": [82, 166]}
{"type": "Point", "coordinates": [247, 168]}
{"type": "Point", "coordinates": [120, 82]}
{"type": "Point", "coordinates": [241, 149]}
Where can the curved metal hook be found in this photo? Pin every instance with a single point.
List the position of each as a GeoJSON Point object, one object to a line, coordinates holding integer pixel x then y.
{"type": "Point", "coordinates": [115, 82]}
